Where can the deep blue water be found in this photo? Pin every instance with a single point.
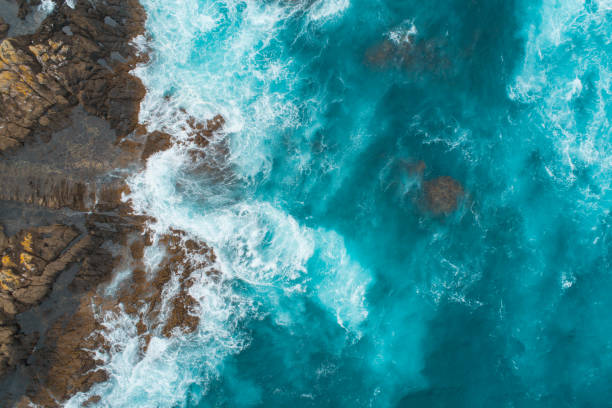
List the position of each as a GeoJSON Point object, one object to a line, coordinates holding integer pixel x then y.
{"type": "Point", "coordinates": [340, 289]}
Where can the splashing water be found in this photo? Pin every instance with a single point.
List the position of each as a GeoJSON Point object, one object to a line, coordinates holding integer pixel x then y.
{"type": "Point", "coordinates": [337, 289]}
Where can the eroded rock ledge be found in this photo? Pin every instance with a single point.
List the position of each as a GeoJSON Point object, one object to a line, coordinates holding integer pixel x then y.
{"type": "Point", "coordinates": [79, 56]}
{"type": "Point", "coordinates": [68, 114]}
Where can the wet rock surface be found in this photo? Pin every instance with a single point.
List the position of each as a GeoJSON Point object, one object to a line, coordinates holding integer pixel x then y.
{"type": "Point", "coordinates": [44, 75]}
{"type": "Point", "coordinates": [68, 112]}
{"type": "Point", "coordinates": [69, 137]}
{"type": "Point", "coordinates": [65, 171]}
{"type": "Point", "coordinates": [4, 27]}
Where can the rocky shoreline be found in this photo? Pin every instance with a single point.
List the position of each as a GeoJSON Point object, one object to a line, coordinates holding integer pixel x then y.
{"type": "Point", "coordinates": [68, 138]}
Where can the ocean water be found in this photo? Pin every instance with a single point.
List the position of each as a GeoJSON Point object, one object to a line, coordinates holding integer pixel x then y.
{"type": "Point", "coordinates": [338, 288]}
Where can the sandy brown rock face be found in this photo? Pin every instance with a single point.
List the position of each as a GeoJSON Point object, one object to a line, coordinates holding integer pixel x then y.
{"type": "Point", "coordinates": [61, 364]}
{"type": "Point", "coordinates": [156, 142]}
{"type": "Point", "coordinates": [43, 76]}
{"type": "Point", "coordinates": [442, 194]}
{"type": "Point", "coordinates": [67, 101]}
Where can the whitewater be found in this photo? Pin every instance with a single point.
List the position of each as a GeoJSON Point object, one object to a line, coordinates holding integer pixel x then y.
{"type": "Point", "coordinates": [337, 287]}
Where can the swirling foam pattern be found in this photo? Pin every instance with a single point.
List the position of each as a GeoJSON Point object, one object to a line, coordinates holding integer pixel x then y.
{"type": "Point", "coordinates": [338, 289]}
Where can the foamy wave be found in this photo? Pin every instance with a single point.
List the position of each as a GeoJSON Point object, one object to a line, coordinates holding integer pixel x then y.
{"type": "Point", "coordinates": [561, 84]}
{"type": "Point", "coordinates": [170, 367]}
{"type": "Point", "coordinates": [256, 245]}
{"type": "Point", "coordinates": [211, 58]}
{"type": "Point", "coordinates": [255, 242]}
{"type": "Point", "coordinates": [326, 10]}
{"type": "Point", "coordinates": [218, 58]}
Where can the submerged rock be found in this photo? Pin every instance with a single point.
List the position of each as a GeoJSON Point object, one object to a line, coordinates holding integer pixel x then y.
{"type": "Point", "coordinates": [442, 194]}
{"type": "Point", "coordinates": [411, 54]}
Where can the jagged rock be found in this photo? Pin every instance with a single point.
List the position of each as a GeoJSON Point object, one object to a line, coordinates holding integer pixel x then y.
{"type": "Point", "coordinates": [43, 76]}
{"type": "Point", "coordinates": [69, 366]}
{"type": "Point", "coordinates": [185, 256]}
{"type": "Point", "coordinates": [80, 57]}
{"type": "Point", "coordinates": [442, 194]}
{"type": "Point", "coordinates": [156, 142]}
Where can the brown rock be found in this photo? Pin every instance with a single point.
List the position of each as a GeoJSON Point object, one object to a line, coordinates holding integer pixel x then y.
{"type": "Point", "coordinates": [49, 241]}
{"type": "Point", "coordinates": [412, 54]}
{"type": "Point", "coordinates": [70, 367]}
{"type": "Point", "coordinates": [137, 249]}
{"type": "Point", "coordinates": [156, 142]}
{"type": "Point", "coordinates": [42, 78]}
{"type": "Point", "coordinates": [442, 194]}
{"type": "Point", "coordinates": [7, 305]}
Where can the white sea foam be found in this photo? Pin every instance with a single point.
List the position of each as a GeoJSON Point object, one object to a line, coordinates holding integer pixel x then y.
{"type": "Point", "coordinates": [343, 288]}
{"type": "Point", "coordinates": [256, 244]}
{"type": "Point", "coordinates": [405, 33]}
{"type": "Point", "coordinates": [218, 58]}
{"type": "Point", "coordinates": [213, 59]}
{"type": "Point", "coordinates": [326, 10]}
{"type": "Point", "coordinates": [555, 75]}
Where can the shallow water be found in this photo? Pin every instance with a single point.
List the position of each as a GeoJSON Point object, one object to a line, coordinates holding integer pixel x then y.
{"type": "Point", "coordinates": [338, 288]}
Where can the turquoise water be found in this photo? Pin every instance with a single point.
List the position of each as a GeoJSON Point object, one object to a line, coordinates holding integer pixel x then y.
{"type": "Point", "coordinates": [339, 289]}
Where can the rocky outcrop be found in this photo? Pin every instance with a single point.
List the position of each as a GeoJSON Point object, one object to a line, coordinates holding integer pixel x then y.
{"type": "Point", "coordinates": [187, 256]}
{"type": "Point", "coordinates": [65, 363]}
{"type": "Point", "coordinates": [77, 57]}
{"type": "Point", "coordinates": [156, 142]}
{"type": "Point", "coordinates": [142, 297]}
{"type": "Point", "coordinates": [31, 262]}
{"type": "Point", "coordinates": [67, 103]}
{"type": "Point", "coordinates": [68, 138]}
